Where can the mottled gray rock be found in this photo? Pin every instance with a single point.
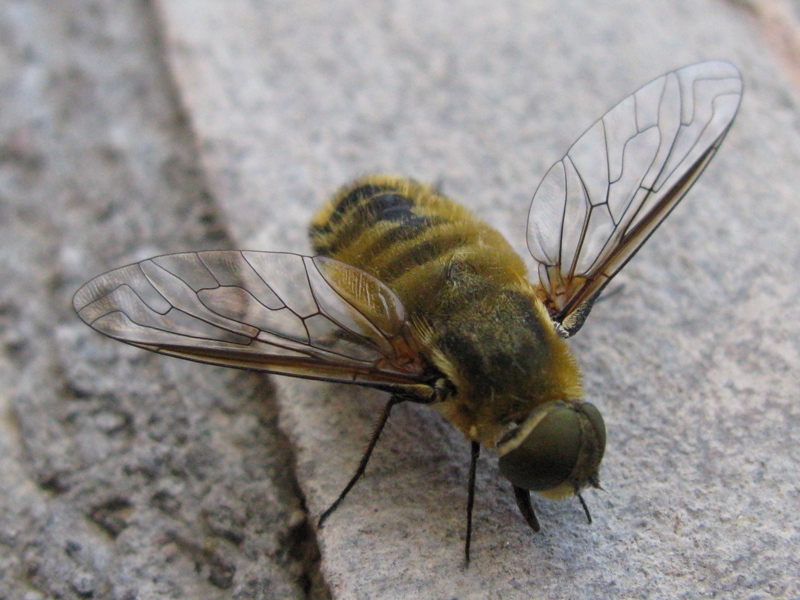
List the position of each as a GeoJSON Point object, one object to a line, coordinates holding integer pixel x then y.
{"type": "Point", "coordinates": [693, 363]}
{"type": "Point", "coordinates": [123, 476]}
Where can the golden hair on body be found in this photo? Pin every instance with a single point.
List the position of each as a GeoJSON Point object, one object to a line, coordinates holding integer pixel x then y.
{"type": "Point", "coordinates": [473, 315]}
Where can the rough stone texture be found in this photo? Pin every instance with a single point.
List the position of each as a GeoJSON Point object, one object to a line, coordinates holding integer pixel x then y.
{"type": "Point", "coordinates": [124, 473]}
{"type": "Point", "coordinates": [123, 476]}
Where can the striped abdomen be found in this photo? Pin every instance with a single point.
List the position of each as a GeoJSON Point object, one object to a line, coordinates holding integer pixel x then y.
{"type": "Point", "coordinates": [414, 240]}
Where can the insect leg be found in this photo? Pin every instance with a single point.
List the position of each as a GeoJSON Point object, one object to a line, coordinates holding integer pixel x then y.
{"type": "Point", "coordinates": [523, 498]}
{"type": "Point", "coordinates": [364, 459]}
{"type": "Point", "coordinates": [473, 466]}
{"type": "Point", "coordinates": [585, 508]}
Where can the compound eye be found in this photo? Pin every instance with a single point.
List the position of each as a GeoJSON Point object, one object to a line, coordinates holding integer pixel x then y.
{"type": "Point", "coordinates": [598, 426]}
{"type": "Point", "coordinates": [546, 454]}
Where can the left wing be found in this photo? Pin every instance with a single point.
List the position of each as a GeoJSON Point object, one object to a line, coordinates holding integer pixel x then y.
{"type": "Point", "coordinates": [597, 206]}
{"type": "Point", "coordinates": [310, 317]}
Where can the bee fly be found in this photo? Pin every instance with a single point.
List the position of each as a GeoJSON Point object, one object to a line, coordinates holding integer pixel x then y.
{"type": "Point", "coordinates": [411, 294]}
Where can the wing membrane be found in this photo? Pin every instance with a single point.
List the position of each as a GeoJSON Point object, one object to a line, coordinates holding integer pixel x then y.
{"type": "Point", "coordinates": [597, 206]}
{"type": "Point", "coordinates": [311, 317]}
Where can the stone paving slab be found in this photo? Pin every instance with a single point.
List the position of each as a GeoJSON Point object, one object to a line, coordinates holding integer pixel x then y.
{"type": "Point", "coordinates": [693, 362]}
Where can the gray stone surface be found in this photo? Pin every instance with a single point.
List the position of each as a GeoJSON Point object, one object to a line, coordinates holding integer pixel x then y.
{"type": "Point", "coordinates": [124, 473]}
{"type": "Point", "coordinates": [121, 475]}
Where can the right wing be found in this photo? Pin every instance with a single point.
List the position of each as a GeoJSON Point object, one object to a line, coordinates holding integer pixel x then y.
{"type": "Point", "coordinates": [310, 317]}
{"type": "Point", "coordinates": [597, 206]}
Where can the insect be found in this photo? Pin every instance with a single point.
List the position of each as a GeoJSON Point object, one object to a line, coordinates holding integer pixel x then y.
{"type": "Point", "coordinates": [411, 294]}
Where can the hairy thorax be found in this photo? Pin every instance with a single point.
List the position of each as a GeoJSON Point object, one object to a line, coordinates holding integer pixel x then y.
{"type": "Point", "coordinates": [475, 317]}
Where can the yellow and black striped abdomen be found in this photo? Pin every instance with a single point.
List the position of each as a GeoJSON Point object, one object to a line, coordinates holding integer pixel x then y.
{"type": "Point", "coordinates": [413, 239]}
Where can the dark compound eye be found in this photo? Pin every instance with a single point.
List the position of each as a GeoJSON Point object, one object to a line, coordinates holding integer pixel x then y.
{"type": "Point", "coordinates": [559, 443]}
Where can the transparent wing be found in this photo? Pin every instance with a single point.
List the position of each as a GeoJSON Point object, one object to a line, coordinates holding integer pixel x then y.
{"type": "Point", "coordinates": [598, 205]}
{"type": "Point", "coordinates": [316, 318]}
